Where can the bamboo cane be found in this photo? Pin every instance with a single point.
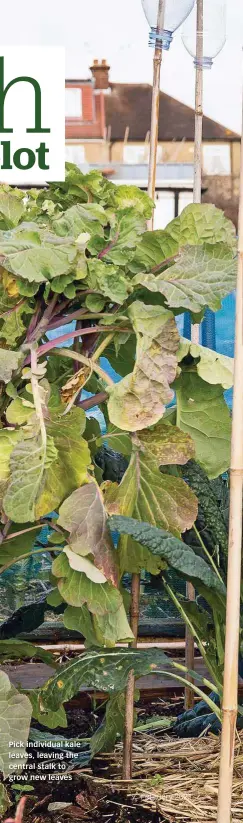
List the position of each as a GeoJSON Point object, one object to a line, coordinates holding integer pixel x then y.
{"type": "Point", "coordinates": [230, 689]}
{"type": "Point", "coordinates": [197, 181]}
{"type": "Point", "coordinates": [129, 708]}
{"type": "Point", "coordinates": [154, 130]}
{"type": "Point", "coordinates": [197, 187]}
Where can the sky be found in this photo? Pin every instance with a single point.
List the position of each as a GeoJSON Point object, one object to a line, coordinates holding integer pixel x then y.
{"type": "Point", "coordinates": [118, 31]}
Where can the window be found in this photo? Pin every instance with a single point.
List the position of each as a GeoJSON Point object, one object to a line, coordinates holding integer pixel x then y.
{"type": "Point", "coordinates": [164, 209]}
{"type": "Point", "coordinates": [185, 199]}
{"type": "Point", "coordinates": [139, 153]}
{"type": "Point", "coordinates": [216, 159]}
{"type": "Point", "coordinates": [75, 153]}
{"type": "Point", "coordinates": [73, 103]}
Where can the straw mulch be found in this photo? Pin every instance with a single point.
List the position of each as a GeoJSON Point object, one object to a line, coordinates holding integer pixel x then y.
{"type": "Point", "coordinates": [178, 779]}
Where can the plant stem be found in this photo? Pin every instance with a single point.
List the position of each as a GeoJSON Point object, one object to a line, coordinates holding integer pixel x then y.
{"type": "Point", "coordinates": [103, 345]}
{"type": "Point", "coordinates": [37, 329]}
{"type": "Point", "coordinates": [108, 247]}
{"type": "Point", "coordinates": [24, 531]}
{"type": "Point", "coordinates": [197, 691]}
{"type": "Point", "coordinates": [87, 361]}
{"type": "Point", "coordinates": [33, 323]}
{"type": "Point", "coordinates": [208, 555]}
{"type": "Point", "coordinates": [63, 338]}
{"type": "Point", "coordinates": [163, 263]}
{"type": "Point", "coordinates": [80, 314]}
{"type": "Point", "coordinates": [129, 708]}
{"type": "Point", "coordinates": [36, 396]}
{"type": "Point", "coordinates": [191, 629]}
{"type": "Point", "coordinates": [43, 550]}
{"type": "Point", "coordinates": [13, 309]}
{"type": "Point", "coordinates": [101, 397]}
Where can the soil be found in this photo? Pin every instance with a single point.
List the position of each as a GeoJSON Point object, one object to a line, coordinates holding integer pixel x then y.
{"type": "Point", "coordinates": [88, 802]}
{"type": "Point", "coordinates": [84, 804]}
{"type": "Point", "coordinates": [88, 806]}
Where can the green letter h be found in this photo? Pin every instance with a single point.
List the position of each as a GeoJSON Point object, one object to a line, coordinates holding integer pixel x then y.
{"type": "Point", "coordinates": [3, 91]}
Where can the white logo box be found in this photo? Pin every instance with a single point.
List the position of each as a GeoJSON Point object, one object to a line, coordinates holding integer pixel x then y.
{"type": "Point", "coordinates": [25, 155]}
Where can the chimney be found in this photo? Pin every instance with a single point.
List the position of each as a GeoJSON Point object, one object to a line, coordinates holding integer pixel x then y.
{"type": "Point", "coordinates": [100, 74]}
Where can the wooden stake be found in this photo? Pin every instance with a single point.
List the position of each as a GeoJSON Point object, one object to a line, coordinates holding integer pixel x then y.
{"type": "Point", "coordinates": [129, 709]}
{"type": "Point", "coordinates": [230, 690]}
{"type": "Point", "coordinates": [197, 182]}
{"type": "Point", "coordinates": [195, 330]}
{"type": "Point", "coordinates": [155, 111]}
{"type": "Point", "coordinates": [135, 592]}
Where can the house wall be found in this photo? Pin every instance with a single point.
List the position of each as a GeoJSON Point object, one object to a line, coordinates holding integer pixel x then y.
{"type": "Point", "coordinates": [224, 193]}
{"type": "Point", "coordinates": [91, 122]}
{"type": "Point", "coordinates": [167, 152]}
{"type": "Point", "coordinates": [218, 157]}
{"type": "Point", "coordinates": [93, 151]}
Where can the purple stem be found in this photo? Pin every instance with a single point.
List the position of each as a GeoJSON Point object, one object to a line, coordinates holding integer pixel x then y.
{"type": "Point", "coordinates": [76, 315]}
{"type": "Point", "coordinates": [41, 327]}
{"type": "Point", "coordinates": [93, 401]}
{"type": "Point", "coordinates": [33, 324]}
{"type": "Point", "coordinates": [70, 335]}
{"type": "Point", "coordinates": [109, 247]}
{"type": "Point", "coordinates": [10, 311]}
{"type": "Point", "coordinates": [163, 263]}
{"type": "Point", "coordinates": [76, 346]}
{"type": "Point", "coordinates": [62, 339]}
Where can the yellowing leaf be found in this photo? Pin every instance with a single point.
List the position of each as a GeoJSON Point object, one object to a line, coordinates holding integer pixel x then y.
{"type": "Point", "coordinates": [160, 499]}
{"type": "Point", "coordinates": [139, 400]}
{"type": "Point", "coordinates": [8, 440]}
{"type": "Point", "coordinates": [168, 444]}
{"type": "Point", "coordinates": [10, 284]}
{"type": "Point", "coordinates": [9, 362]}
{"type": "Point", "coordinates": [15, 717]}
{"type": "Point", "coordinates": [83, 516]}
{"type": "Point", "coordinates": [81, 564]}
{"type": "Point", "coordinates": [70, 468]}
{"type": "Point", "coordinates": [19, 411]}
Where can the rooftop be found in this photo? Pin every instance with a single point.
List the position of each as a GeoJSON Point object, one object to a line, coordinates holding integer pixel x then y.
{"type": "Point", "coordinates": [129, 105]}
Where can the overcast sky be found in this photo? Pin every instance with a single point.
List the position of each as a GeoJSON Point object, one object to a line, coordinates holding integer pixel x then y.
{"type": "Point", "coordinates": [117, 30]}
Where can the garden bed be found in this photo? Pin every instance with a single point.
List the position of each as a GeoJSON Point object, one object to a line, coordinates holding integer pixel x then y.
{"type": "Point", "coordinates": [174, 781]}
